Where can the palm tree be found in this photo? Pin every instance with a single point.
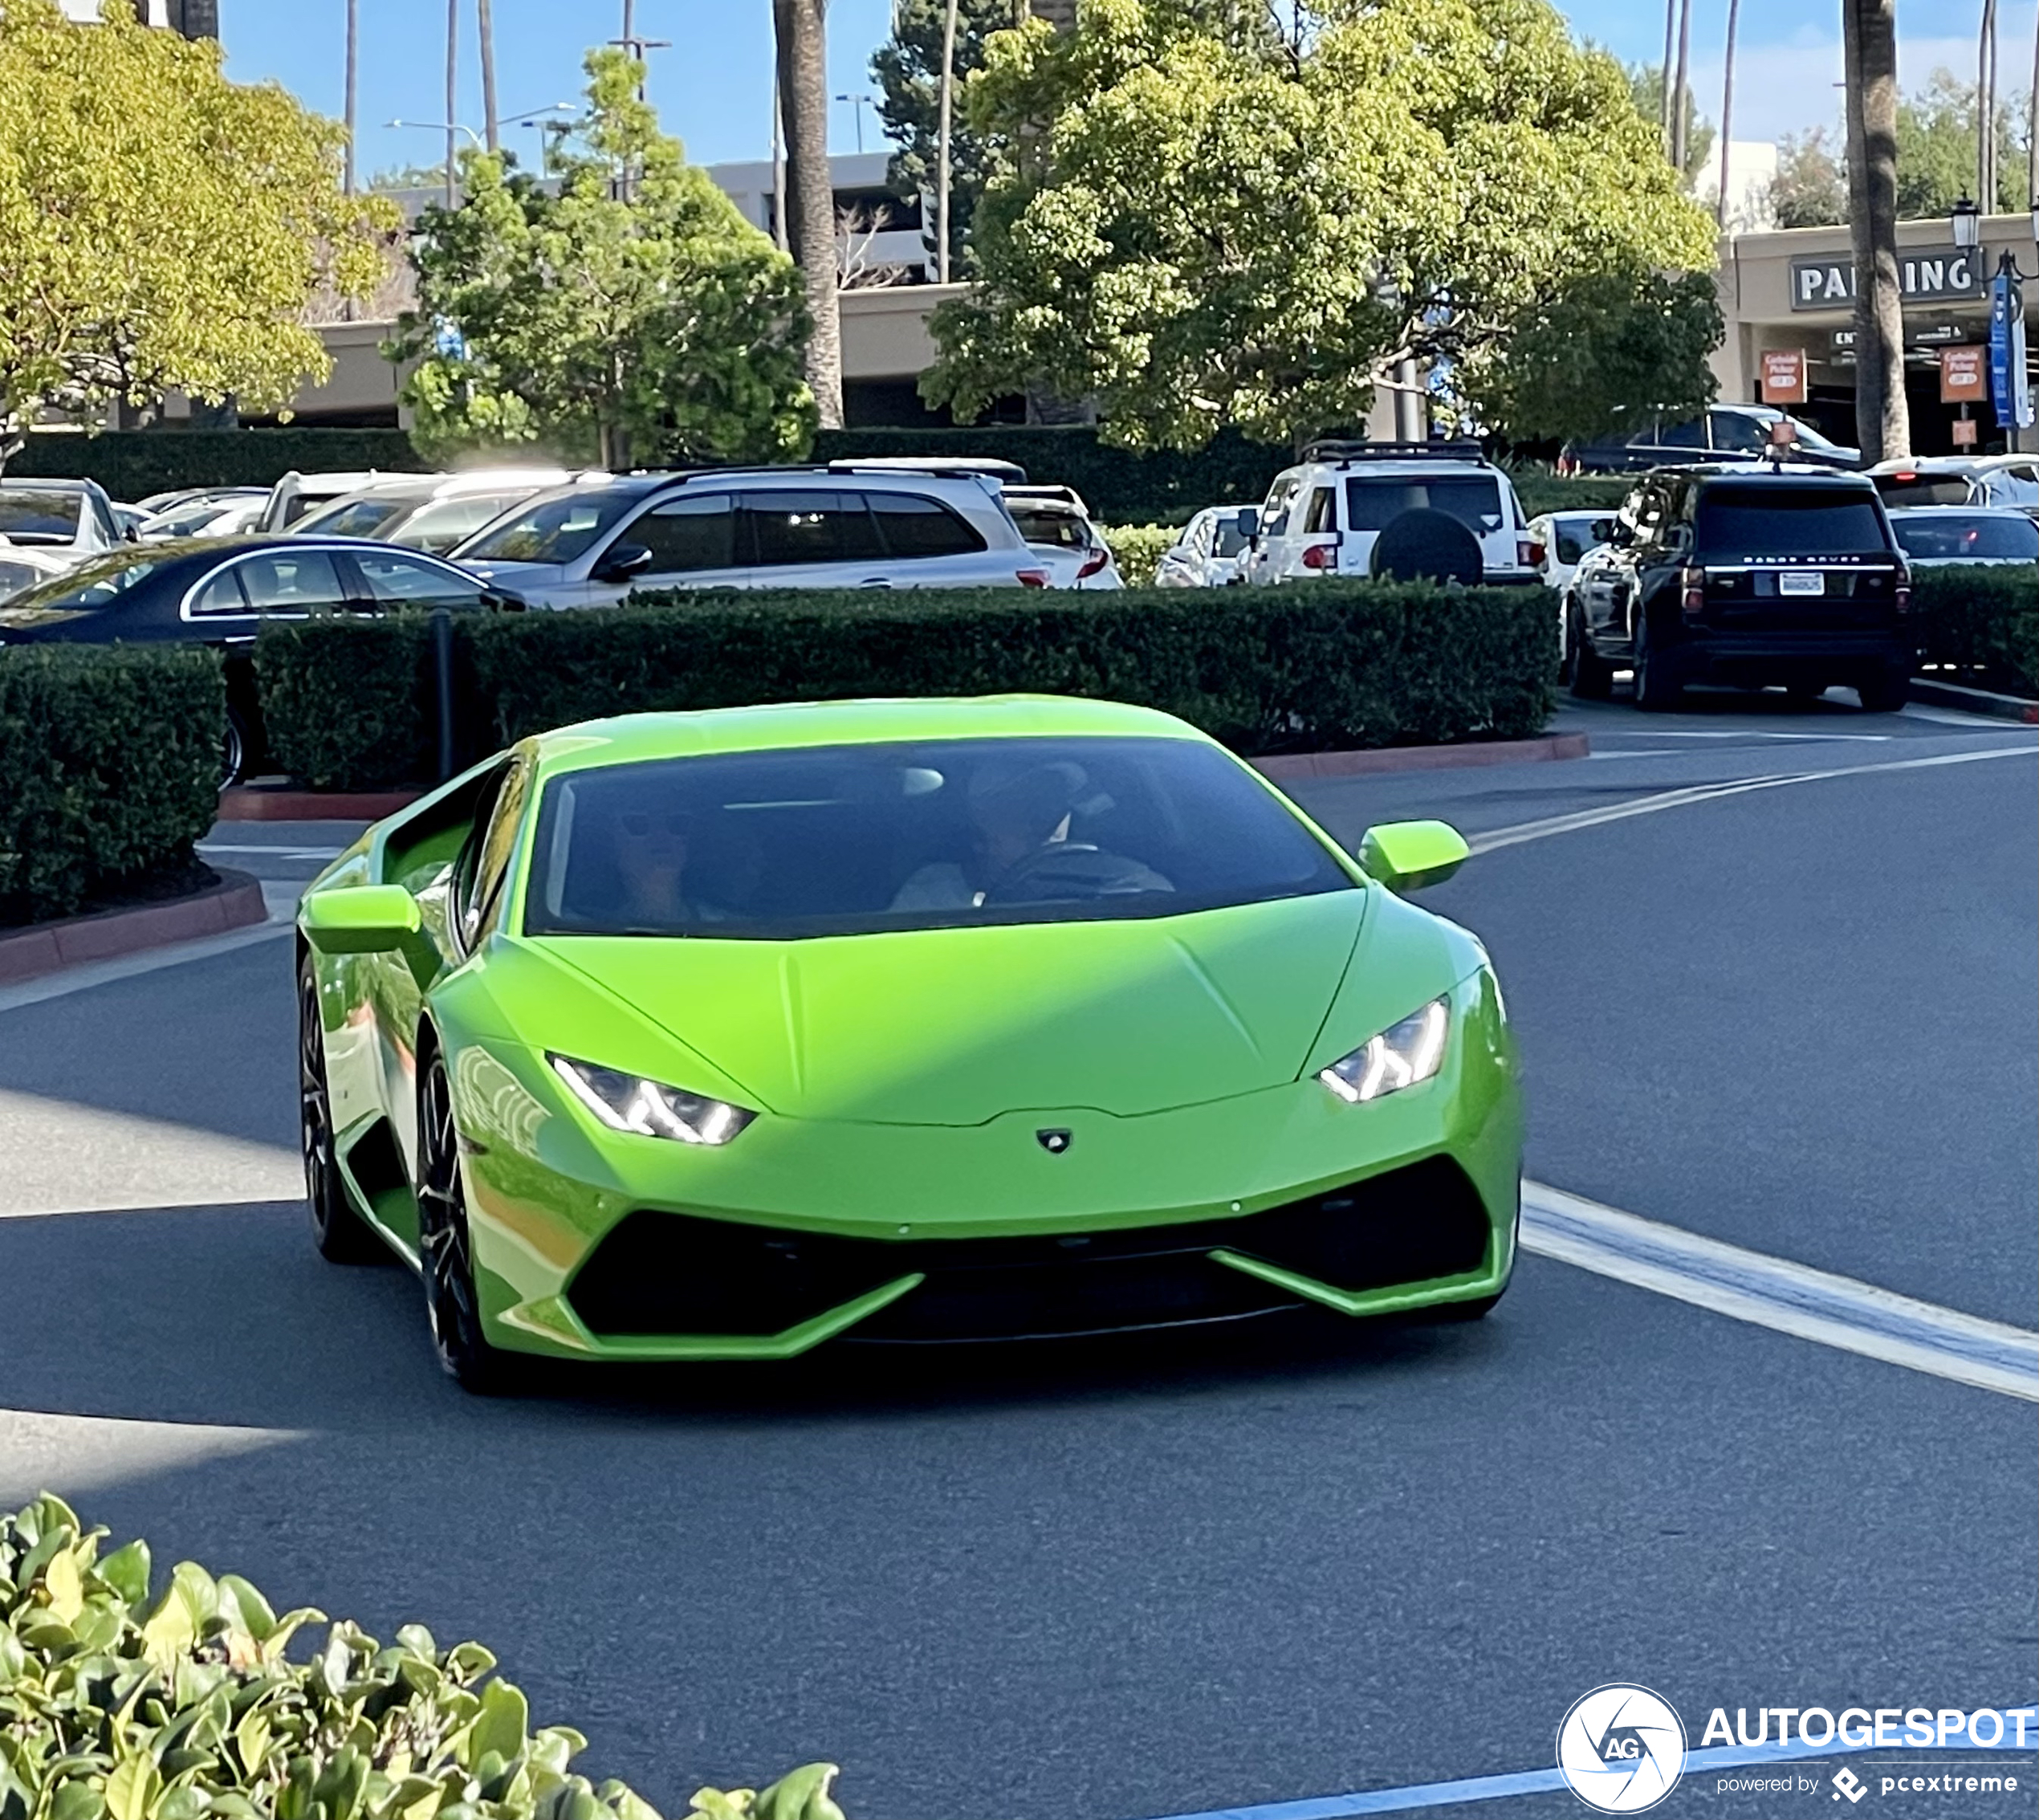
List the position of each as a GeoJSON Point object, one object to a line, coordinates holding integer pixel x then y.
{"type": "Point", "coordinates": [1870, 37]}
{"type": "Point", "coordinates": [489, 126]}
{"type": "Point", "coordinates": [799, 26]}
{"type": "Point", "coordinates": [353, 84]}
{"type": "Point", "coordinates": [453, 102]}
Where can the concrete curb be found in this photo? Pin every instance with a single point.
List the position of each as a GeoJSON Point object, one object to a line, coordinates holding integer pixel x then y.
{"type": "Point", "coordinates": [1936, 693]}
{"type": "Point", "coordinates": [1287, 766]}
{"type": "Point", "coordinates": [234, 902]}
{"type": "Point", "coordinates": [258, 802]}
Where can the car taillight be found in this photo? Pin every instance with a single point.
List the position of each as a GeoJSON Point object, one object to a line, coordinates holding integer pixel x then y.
{"type": "Point", "coordinates": [1901, 591]}
{"type": "Point", "coordinates": [1032, 577]}
{"type": "Point", "coordinates": [1094, 563]}
{"type": "Point", "coordinates": [1693, 582]}
{"type": "Point", "coordinates": [1529, 553]}
{"type": "Point", "coordinates": [1320, 556]}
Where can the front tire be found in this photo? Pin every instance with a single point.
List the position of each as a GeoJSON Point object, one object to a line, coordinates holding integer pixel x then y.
{"type": "Point", "coordinates": [1886, 690]}
{"type": "Point", "coordinates": [234, 750]}
{"type": "Point", "coordinates": [1588, 676]}
{"type": "Point", "coordinates": [340, 1233]}
{"type": "Point", "coordinates": [1658, 685]}
{"type": "Point", "coordinates": [445, 1247]}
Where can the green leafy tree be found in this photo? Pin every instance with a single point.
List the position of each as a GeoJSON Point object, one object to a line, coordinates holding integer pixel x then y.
{"type": "Point", "coordinates": [1810, 189]}
{"type": "Point", "coordinates": [161, 228]}
{"type": "Point", "coordinates": [1194, 232]}
{"type": "Point", "coordinates": [1646, 83]}
{"type": "Point", "coordinates": [1936, 150]}
{"type": "Point", "coordinates": [624, 312]}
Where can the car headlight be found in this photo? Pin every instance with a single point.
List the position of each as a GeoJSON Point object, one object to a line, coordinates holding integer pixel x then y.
{"type": "Point", "coordinates": [628, 1102]}
{"type": "Point", "coordinates": [1400, 1057]}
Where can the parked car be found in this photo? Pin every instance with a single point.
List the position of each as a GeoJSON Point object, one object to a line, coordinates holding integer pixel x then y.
{"type": "Point", "coordinates": [1206, 551]}
{"type": "Point", "coordinates": [1056, 524]}
{"type": "Point", "coordinates": [218, 593]}
{"type": "Point", "coordinates": [1959, 480]}
{"type": "Point", "coordinates": [297, 495]}
{"type": "Point", "coordinates": [224, 512]}
{"type": "Point", "coordinates": [592, 543]}
{"type": "Point", "coordinates": [1564, 538]}
{"type": "Point", "coordinates": [1404, 508]}
{"type": "Point", "coordinates": [430, 511]}
{"type": "Point", "coordinates": [1938, 536]}
{"type": "Point", "coordinates": [25, 567]}
{"type": "Point", "coordinates": [1726, 432]}
{"type": "Point", "coordinates": [1748, 576]}
{"type": "Point", "coordinates": [74, 517]}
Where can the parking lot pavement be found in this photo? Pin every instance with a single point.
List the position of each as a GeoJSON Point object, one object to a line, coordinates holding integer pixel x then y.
{"type": "Point", "coordinates": [1177, 1573]}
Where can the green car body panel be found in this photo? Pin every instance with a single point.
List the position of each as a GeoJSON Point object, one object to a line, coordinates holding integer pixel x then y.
{"type": "Point", "coordinates": [902, 1081]}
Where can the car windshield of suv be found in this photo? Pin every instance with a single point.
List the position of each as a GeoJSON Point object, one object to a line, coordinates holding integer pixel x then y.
{"type": "Point", "coordinates": [31, 517]}
{"type": "Point", "coordinates": [1962, 537]}
{"type": "Point", "coordinates": [1227, 540]}
{"type": "Point", "coordinates": [1473, 499]}
{"type": "Point", "coordinates": [550, 531]}
{"type": "Point", "coordinates": [1913, 489]}
{"type": "Point", "coordinates": [855, 840]}
{"type": "Point", "coordinates": [1778, 519]}
{"type": "Point", "coordinates": [350, 518]}
{"type": "Point", "coordinates": [1060, 531]}
{"type": "Point", "coordinates": [97, 584]}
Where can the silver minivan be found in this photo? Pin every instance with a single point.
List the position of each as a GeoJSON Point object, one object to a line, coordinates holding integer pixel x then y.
{"type": "Point", "coordinates": [592, 544]}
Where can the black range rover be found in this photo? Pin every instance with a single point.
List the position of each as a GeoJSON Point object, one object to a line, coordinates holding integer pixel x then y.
{"type": "Point", "coordinates": [1744, 576]}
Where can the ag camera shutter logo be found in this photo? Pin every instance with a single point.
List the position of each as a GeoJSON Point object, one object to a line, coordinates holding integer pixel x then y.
{"type": "Point", "coordinates": [1621, 1749]}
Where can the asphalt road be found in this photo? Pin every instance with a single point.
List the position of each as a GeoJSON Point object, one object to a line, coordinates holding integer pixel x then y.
{"type": "Point", "coordinates": [1161, 1577]}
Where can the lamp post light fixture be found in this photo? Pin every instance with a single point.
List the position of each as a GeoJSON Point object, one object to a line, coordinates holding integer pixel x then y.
{"type": "Point", "coordinates": [859, 103]}
{"type": "Point", "coordinates": [1967, 223]}
{"type": "Point", "coordinates": [449, 127]}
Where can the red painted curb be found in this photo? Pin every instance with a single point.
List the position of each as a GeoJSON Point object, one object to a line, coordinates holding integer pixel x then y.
{"type": "Point", "coordinates": [235, 902]}
{"type": "Point", "coordinates": [254, 803]}
{"type": "Point", "coordinates": [1282, 767]}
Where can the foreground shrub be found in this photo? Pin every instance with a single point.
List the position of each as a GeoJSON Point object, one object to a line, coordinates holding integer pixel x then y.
{"type": "Point", "coordinates": [1982, 619]}
{"type": "Point", "coordinates": [347, 702]}
{"type": "Point", "coordinates": [116, 1707]}
{"type": "Point", "coordinates": [109, 769]}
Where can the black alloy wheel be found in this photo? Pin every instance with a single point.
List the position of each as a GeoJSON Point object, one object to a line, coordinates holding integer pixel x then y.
{"type": "Point", "coordinates": [1658, 686]}
{"type": "Point", "coordinates": [445, 1247]}
{"type": "Point", "coordinates": [340, 1234]}
{"type": "Point", "coordinates": [1588, 676]}
{"type": "Point", "coordinates": [233, 750]}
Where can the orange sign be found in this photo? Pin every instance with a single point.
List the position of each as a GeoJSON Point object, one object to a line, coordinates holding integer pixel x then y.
{"type": "Point", "coordinates": [1783, 376]}
{"type": "Point", "coordinates": [1964, 375]}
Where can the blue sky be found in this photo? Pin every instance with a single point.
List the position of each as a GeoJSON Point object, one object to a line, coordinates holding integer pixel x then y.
{"type": "Point", "coordinates": [713, 87]}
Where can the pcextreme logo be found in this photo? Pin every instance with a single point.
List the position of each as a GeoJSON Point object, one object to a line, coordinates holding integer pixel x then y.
{"type": "Point", "coordinates": [1621, 1749]}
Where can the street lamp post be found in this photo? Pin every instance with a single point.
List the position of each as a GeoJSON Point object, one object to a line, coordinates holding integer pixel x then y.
{"type": "Point", "coordinates": [451, 127]}
{"type": "Point", "coordinates": [858, 104]}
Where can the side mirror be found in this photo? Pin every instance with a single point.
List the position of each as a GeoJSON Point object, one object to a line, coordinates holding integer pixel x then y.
{"type": "Point", "coordinates": [1602, 530]}
{"type": "Point", "coordinates": [1406, 856]}
{"type": "Point", "coordinates": [623, 562]}
{"type": "Point", "coordinates": [1247, 523]}
{"type": "Point", "coordinates": [360, 919]}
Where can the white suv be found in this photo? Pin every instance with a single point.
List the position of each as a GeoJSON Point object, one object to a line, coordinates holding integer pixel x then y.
{"type": "Point", "coordinates": [592, 544]}
{"type": "Point", "coordinates": [1324, 515]}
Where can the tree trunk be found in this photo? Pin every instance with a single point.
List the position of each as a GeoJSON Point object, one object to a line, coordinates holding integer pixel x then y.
{"type": "Point", "coordinates": [353, 95]}
{"type": "Point", "coordinates": [801, 29]}
{"type": "Point", "coordinates": [489, 128]}
{"type": "Point", "coordinates": [453, 102]}
{"type": "Point", "coordinates": [1882, 419]}
{"type": "Point", "coordinates": [945, 245]}
{"type": "Point", "coordinates": [1664, 79]}
{"type": "Point", "coordinates": [1681, 97]}
{"type": "Point", "coordinates": [1727, 115]}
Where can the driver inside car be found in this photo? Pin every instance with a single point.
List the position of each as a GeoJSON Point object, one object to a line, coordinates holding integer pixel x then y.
{"type": "Point", "coordinates": [1019, 817]}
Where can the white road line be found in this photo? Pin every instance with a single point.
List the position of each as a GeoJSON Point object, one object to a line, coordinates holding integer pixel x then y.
{"type": "Point", "coordinates": [1750, 733]}
{"type": "Point", "coordinates": [1773, 1292]}
{"type": "Point", "coordinates": [1495, 838]}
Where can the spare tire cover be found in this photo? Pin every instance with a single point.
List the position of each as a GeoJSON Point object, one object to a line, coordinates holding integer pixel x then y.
{"type": "Point", "coordinates": [1427, 545]}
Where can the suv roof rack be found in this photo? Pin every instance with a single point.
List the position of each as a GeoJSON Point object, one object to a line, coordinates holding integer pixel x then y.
{"type": "Point", "coordinates": [1338, 449]}
{"type": "Point", "coordinates": [991, 467]}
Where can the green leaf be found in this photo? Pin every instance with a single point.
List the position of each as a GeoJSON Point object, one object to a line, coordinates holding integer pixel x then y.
{"type": "Point", "coordinates": [132, 1789]}
{"type": "Point", "coordinates": [500, 1725]}
{"type": "Point", "coordinates": [126, 1571]}
{"type": "Point", "coordinates": [245, 1608]}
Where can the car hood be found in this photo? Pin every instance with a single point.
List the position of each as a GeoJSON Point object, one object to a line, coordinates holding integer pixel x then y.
{"type": "Point", "coordinates": [959, 1026]}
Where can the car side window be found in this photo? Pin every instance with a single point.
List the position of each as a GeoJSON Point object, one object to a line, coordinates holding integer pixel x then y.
{"type": "Point", "coordinates": [397, 580]}
{"type": "Point", "coordinates": [1275, 515]}
{"type": "Point", "coordinates": [220, 594]}
{"type": "Point", "coordinates": [913, 526]}
{"type": "Point", "coordinates": [1323, 513]}
{"type": "Point", "coordinates": [1732, 430]}
{"type": "Point", "coordinates": [786, 529]}
{"type": "Point", "coordinates": [1685, 435]}
{"type": "Point", "coordinates": [483, 891]}
{"type": "Point", "coordinates": [688, 535]}
{"type": "Point", "coordinates": [286, 581]}
{"type": "Point", "coordinates": [108, 527]}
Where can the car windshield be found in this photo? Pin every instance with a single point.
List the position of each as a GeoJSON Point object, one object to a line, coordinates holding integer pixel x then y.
{"type": "Point", "coordinates": [855, 840]}
{"type": "Point", "coordinates": [1473, 499]}
{"type": "Point", "coordinates": [1040, 524]}
{"type": "Point", "coordinates": [1915, 489]}
{"type": "Point", "coordinates": [92, 585]}
{"type": "Point", "coordinates": [1810, 438]}
{"type": "Point", "coordinates": [184, 521]}
{"type": "Point", "coordinates": [350, 518]}
{"type": "Point", "coordinates": [1227, 540]}
{"type": "Point", "coordinates": [550, 531]}
{"type": "Point", "coordinates": [1783, 521]}
{"type": "Point", "coordinates": [28, 516]}
{"type": "Point", "coordinates": [1966, 536]}
{"type": "Point", "coordinates": [443, 523]}
{"type": "Point", "coordinates": [1574, 537]}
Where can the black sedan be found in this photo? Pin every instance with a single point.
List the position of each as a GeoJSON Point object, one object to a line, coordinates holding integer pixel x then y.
{"type": "Point", "coordinates": [218, 592]}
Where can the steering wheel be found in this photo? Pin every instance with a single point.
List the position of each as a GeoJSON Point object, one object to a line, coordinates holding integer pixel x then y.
{"type": "Point", "coordinates": [1069, 869]}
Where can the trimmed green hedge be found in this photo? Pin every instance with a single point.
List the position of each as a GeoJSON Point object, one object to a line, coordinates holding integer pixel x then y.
{"type": "Point", "coordinates": [1983, 620]}
{"type": "Point", "coordinates": [132, 464]}
{"type": "Point", "coordinates": [109, 770]}
{"type": "Point", "coordinates": [115, 1706]}
{"type": "Point", "coordinates": [1136, 549]}
{"type": "Point", "coordinates": [1323, 667]}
